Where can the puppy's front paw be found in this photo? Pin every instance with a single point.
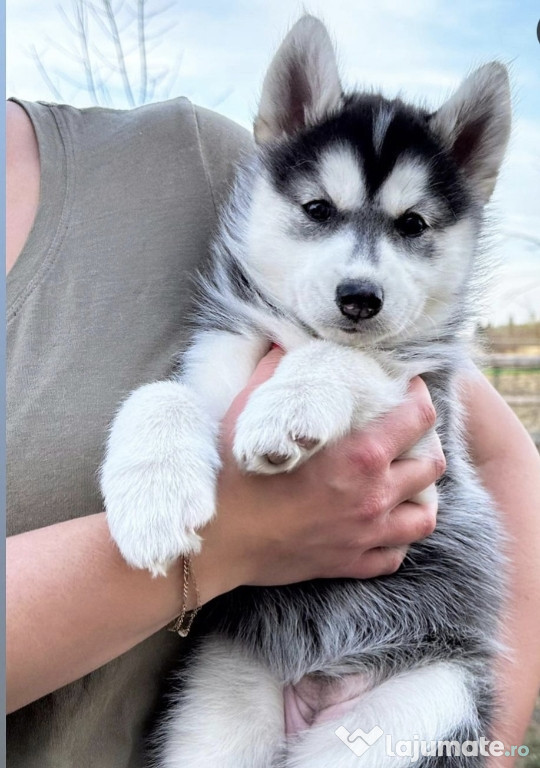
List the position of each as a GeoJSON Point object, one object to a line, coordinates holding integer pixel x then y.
{"type": "Point", "coordinates": [282, 426]}
{"type": "Point", "coordinates": [147, 506]}
{"type": "Point", "coordinates": [428, 447]}
{"type": "Point", "coordinates": [158, 478]}
{"type": "Point", "coordinates": [269, 454]}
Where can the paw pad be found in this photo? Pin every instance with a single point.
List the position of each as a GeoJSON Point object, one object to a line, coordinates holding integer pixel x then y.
{"type": "Point", "coordinates": [276, 459]}
{"type": "Point", "coordinates": [307, 443]}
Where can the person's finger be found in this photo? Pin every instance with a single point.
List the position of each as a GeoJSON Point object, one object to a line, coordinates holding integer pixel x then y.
{"type": "Point", "coordinates": [265, 368]}
{"type": "Point", "coordinates": [264, 371]}
{"type": "Point", "coordinates": [408, 477]}
{"type": "Point", "coordinates": [380, 561]}
{"type": "Point", "coordinates": [409, 522]}
{"type": "Point", "coordinates": [401, 429]}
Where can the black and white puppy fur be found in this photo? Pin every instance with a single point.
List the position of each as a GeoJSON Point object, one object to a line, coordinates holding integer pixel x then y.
{"type": "Point", "coordinates": [351, 240]}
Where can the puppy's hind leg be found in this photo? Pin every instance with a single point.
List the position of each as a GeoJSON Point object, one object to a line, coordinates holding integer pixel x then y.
{"type": "Point", "coordinates": [229, 713]}
{"type": "Point", "coordinates": [462, 749]}
{"type": "Point", "coordinates": [423, 704]}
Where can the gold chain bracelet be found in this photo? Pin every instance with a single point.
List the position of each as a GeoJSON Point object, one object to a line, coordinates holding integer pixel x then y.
{"type": "Point", "coordinates": [182, 624]}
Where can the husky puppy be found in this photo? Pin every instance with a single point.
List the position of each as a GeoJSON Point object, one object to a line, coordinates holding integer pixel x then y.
{"type": "Point", "coordinates": [351, 240]}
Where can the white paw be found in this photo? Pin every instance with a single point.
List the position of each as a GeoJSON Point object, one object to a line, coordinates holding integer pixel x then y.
{"type": "Point", "coordinates": [282, 426]}
{"type": "Point", "coordinates": [158, 478]}
{"type": "Point", "coordinates": [428, 447]}
{"type": "Point", "coordinates": [427, 497]}
{"type": "Point", "coordinates": [272, 454]}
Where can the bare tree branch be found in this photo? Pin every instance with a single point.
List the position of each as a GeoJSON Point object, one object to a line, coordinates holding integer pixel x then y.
{"type": "Point", "coordinates": [143, 86]}
{"type": "Point", "coordinates": [109, 65]}
{"type": "Point", "coordinates": [67, 21]}
{"type": "Point", "coordinates": [119, 51]}
{"type": "Point", "coordinates": [174, 71]}
{"type": "Point", "coordinates": [68, 53]}
{"type": "Point", "coordinates": [43, 72]}
{"type": "Point", "coordinates": [104, 37]}
{"type": "Point", "coordinates": [97, 16]}
{"type": "Point", "coordinates": [81, 18]}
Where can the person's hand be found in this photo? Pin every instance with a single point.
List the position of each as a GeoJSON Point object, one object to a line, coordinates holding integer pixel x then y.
{"type": "Point", "coordinates": [344, 513]}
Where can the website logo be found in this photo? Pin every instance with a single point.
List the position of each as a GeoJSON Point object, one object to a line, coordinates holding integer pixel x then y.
{"type": "Point", "coordinates": [359, 741]}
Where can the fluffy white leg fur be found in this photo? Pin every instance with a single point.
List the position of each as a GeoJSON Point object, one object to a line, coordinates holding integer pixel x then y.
{"type": "Point", "coordinates": [158, 478]}
{"type": "Point", "coordinates": [218, 366]}
{"type": "Point", "coordinates": [318, 393]}
{"type": "Point", "coordinates": [430, 703]}
{"type": "Point", "coordinates": [230, 713]}
{"type": "Point", "coordinates": [159, 475]}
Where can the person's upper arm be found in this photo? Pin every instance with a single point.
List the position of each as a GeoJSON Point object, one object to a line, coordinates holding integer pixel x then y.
{"type": "Point", "coordinates": [492, 428]}
{"type": "Point", "coordinates": [22, 180]}
{"type": "Point", "coordinates": [508, 465]}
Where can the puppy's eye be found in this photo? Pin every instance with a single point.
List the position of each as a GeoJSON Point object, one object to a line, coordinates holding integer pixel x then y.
{"type": "Point", "coordinates": [410, 225]}
{"type": "Point", "coordinates": [319, 210]}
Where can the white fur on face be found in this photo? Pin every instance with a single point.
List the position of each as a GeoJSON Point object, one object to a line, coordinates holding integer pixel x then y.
{"type": "Point", "coordinates": [447, 275]}
{"type": "Point", "coordinates": [419, 292]}
{"type": "Point", "coordinates": [285, 262]}
{"type": "Point", "coordinates": [404, 188]}
{"type": "Point", "coordinates": [342, 178]}
{"type": "Point", "coordinates": [300, 273]}
{"type": "Point", "coordinates": [303, 273]}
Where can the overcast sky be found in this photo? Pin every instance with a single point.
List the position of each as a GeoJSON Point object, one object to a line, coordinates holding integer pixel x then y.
{"type": "Point", "coordinates": [216, 52]}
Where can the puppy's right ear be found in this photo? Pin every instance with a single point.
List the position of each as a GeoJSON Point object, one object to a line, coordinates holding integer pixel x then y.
{"type": "Point", "coordinates": [302, 84]}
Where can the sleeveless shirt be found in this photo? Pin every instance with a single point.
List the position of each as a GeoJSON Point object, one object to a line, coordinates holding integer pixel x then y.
{"type": "Point", "coordinates": [97, 304]}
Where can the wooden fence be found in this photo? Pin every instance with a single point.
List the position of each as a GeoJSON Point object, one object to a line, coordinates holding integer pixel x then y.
{"type": "Point", "coordinates": [517, 378]}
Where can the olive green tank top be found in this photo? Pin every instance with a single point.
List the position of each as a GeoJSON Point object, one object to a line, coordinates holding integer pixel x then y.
{"type": "Point", "coordinates": [97, 305]}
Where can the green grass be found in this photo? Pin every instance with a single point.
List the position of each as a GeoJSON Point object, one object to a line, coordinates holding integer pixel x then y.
{"type": "Point", "coordinates": [532, 740]}
{"type": "Point", "coordinates": [512, 371]}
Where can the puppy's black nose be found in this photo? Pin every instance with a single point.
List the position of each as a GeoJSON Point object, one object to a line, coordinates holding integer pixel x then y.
{"type": "Point", "coordinates": [359, 299]}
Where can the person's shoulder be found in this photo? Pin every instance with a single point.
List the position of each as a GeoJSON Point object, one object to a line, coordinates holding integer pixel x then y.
{"type": "Point", "coordinates": [20, 136]}
{"type": "Point", "coordinates": [224, 144]}
{"type": "Point", "coordinates": [214, 127]}
{"type": "Point", "coordinates": [217, 133]}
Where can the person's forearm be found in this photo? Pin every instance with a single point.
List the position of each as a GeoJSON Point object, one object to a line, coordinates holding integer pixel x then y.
{"type": "Point", "coordinates": [509, 467]}
{"type": "Point", "coordinates": [73, 604]}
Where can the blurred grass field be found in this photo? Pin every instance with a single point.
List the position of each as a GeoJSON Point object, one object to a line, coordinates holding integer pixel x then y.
{"type": "Point", "coordinates": [532, 740]}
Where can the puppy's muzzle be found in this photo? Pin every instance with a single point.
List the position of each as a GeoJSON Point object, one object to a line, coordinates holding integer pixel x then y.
{"type": "Point", "coordinates": [359, 299]}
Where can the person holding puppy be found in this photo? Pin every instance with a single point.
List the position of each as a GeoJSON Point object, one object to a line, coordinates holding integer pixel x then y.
{"type": "Point", "coordinates": [109, 214]}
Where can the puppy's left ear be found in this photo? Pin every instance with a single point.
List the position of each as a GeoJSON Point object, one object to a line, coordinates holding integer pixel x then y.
{"type": "Point", "coordinates": [302, 84]}
{"type": "Point", "coordinates": [475, 125]}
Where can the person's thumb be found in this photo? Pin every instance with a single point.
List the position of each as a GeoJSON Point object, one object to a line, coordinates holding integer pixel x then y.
{"type": "Point", "coordinates": [264, 371]}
